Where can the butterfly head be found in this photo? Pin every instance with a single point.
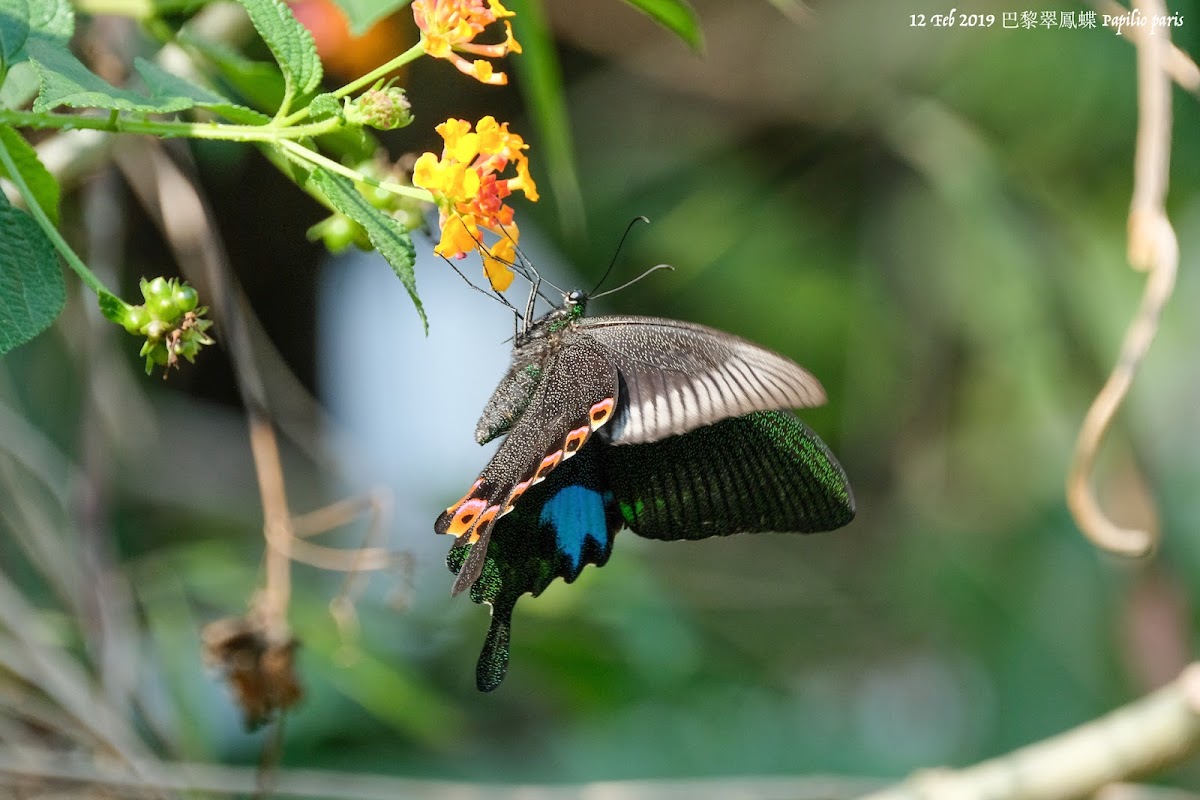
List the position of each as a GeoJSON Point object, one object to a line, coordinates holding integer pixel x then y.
{"type": "Point", "coordinates": [573, 307]}
{"type": "Point", "coordinates": [575, 303]}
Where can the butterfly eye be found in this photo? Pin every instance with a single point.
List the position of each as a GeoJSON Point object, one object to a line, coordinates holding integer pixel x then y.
{"type": "Point", "coordinates": [575, 298]}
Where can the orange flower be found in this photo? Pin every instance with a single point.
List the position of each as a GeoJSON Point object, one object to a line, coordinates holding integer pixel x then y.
{"type": "Point", "coordinates": [470, 193]}
{"type": "Point", "coordinates": [449, 26]}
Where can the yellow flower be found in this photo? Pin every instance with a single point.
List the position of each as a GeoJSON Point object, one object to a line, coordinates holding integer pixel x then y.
{"type": "Point", "coordinates": [449, 26]}
{"type": "Point", "coordinates": [470, 193]}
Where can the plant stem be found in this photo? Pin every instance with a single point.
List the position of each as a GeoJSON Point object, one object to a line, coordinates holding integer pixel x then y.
{"type": "Point", "coordinates": [302, 153]}
{"type": "Point", "coordinates": [411, 54]}
{"type": "Point", "coordinates": [39, 214]}
{"type": "Point", "coordinates": [271, 132]}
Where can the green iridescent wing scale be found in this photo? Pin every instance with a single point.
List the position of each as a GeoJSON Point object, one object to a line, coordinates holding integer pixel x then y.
{"type": "Point", "coordinates": [765, 471]}
{"type": "Point", "coordinates": [561, 525]}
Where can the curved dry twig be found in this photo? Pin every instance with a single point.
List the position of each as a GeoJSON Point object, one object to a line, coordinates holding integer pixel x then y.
{"type": "Point", "coordinates": [1152, 248]}
{"type": "Point", "coordinates": [1178, 64]}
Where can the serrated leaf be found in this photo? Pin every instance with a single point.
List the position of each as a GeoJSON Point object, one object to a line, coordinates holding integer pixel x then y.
{"type": "Point", "coordinates": [67, 82]}
{"type": "Point", "coordinates": [33, 172]}
{"type": "Point", "coordinates": [32, 291]}
{"type": "Point", "coordinates": [677, 16]}
{"type": "Point", "coordinates": [14, 29]}
{"type": "Point", "coordinates": [362, 14]}
{"type": "Point", "coordinates": [542, 86]}
{"type": "Point", "coordinates": [22, 22]}
{"type": "Point", "coordinates": [324, 106]}
{"type": "Point", "coordinates": [259, 83]}
{"type": "Point", "coordinates": [164, 86]}
{"type": "Point", "coordinates": [388, 236]}
{"type": "Point", "coordinates": [52, 19]}
{"type": "Point", "coordinates": [290, 43]}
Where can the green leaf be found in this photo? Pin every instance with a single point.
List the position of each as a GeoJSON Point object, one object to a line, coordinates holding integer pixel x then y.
{"type": "Point", "coordinates": [52, 19]}
{"type": "Point", "coordinates": [32, 291]}
{"type": "Point", "coordinates": [290, 43]}
{"type": "Point", "coordinates": [677, 16]}
{"type": "Point", "coordinates": [37, 177]}
{"type": "Point", "coordinates": [113, 308]}
{"type": "Point", "coordinates": [259, 83]}
{"type": "Point", "coordinates": [362, 14]}
{"type": "Point", "coordinates": [389, 237]}
{"type": "Point", "coordinates": [67, 82]}
{"type": "Point", "coordinates": [165, 86]}
{"type": "Point", "coordinates": [324, 106]}
{"type": "Point", "coordinates": [22, 22]}
{"type": "Point", "coordinates": [542, 86]}
{"type": "Point", "coordinates": [14, 29]}
{"type": "Point", "coordinates": [20, 86]}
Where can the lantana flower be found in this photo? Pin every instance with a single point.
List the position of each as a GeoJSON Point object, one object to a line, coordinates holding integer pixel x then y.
{"type": "Point", "coordinates": [449, 26]}
{"type": "Point", "coordinates": [470, 193]}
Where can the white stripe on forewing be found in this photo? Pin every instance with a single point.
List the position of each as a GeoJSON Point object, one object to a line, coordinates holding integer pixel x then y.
{"type": "Point", "coordinates": [687, 402]}
{"type": "Point", "coordinates": [751, 388]}
{"type": "Point", "coordinates": [704, 388]}
{"type": "Point", "coordinates": [725, 392]}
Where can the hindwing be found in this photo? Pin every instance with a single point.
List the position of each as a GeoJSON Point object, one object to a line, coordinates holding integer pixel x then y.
{"type": "Point", "coordinates": [679, 376]}
{"type": "Point", "coordinates": [560, 525]}
{"type": "Point", "coordinates": [765, 471]}
{"type": "Point", "coordinates": [576, 394]}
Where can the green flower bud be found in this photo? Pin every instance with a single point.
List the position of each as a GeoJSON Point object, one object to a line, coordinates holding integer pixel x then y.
{"type": "Point", "coordinates": [159, 287]}
{"type": "Point", "coordinates": [135, 318]}
{"type": "Point", "coordinates": [185, 298]}
{"type": "Point", "coordinates": [384, 108]}
{"type": "Point", "coordinates": [171, 321]}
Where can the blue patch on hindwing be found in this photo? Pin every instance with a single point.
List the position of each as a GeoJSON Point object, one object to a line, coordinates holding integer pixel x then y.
{"type": "Point", "coordinates": [576, 513]}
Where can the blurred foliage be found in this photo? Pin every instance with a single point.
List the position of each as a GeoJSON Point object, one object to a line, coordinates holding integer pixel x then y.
{"type": "Point", "coordinates": [931, 220]}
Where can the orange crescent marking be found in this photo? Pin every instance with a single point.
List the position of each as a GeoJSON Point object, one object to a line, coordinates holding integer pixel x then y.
{"type": "Point", "coordinates": [548, 463]}
{"type": "Point", "coordinates": [600, 412]}
{"type": "Point", "coordinates": [465, 518]}
{"type": "Point", "coordinates": [519, 490]}
{"type": "Point", "coordinates": [465, 497]}
{"type": "Point", "coordinates": [575, 440]}
{"type": "Point", "coordinates": [487, 516]}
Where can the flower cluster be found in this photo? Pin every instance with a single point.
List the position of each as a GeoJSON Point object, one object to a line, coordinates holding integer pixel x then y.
{"type": "Point", "coordinates": [470, 193]}
{"type": "Point", "coordinates": [171, 321]}
{"type": "Point", "coordinates": [383, 107]}
{"type": "Point", "coordinates": [449, 26]}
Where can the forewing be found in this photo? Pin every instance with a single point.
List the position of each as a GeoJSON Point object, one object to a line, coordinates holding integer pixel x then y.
{"type": "Point", "coordinates": [765, 471]}
{"type": "Point", "coordinates": [679, 376]}
{"type": "Point", "coordinates": [561, 525]}
{"type": "Point", "coordinates": [514, 392]}
{"type": "Point", "coordinates": [576, 395]}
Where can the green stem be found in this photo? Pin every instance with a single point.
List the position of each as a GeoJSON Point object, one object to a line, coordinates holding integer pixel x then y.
{"type": "Point", "coordinates": [302, 153]}
{"type": "Point", "coordinates": [411, 54]}
{"type": "Point", "coordinates": [135, 9]}
{"type": "Point", "coordinates": [39, 214]}
{"type": "Point", "coordinates": [271, 132]}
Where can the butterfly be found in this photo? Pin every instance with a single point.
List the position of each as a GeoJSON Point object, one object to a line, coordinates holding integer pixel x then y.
{"type": "Point", "coordinates": [672, 429]}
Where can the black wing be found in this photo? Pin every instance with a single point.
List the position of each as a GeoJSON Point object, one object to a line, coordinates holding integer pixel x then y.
{"type": "Point", "coordinates": [679, 376]}
{"type": "Point", "coordinates": [765, 471]}
{"type": "Point", "coordinates": [560, 526]}
{"type": "Point", "coordinates": [576, 395]}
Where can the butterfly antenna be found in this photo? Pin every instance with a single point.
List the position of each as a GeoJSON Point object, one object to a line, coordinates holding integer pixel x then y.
{"type": "Point", "coordinates": [626, 285]}
{"type": "Point", "coordinates": [528, 271]}
{"type": "Point", "coordinates": [620, 244]}
{"type": "Point", "coordinates": [493, 294]}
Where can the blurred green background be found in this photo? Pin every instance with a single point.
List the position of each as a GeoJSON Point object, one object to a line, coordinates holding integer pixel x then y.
{"type": "Point", "coordinates": [931, 220]}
